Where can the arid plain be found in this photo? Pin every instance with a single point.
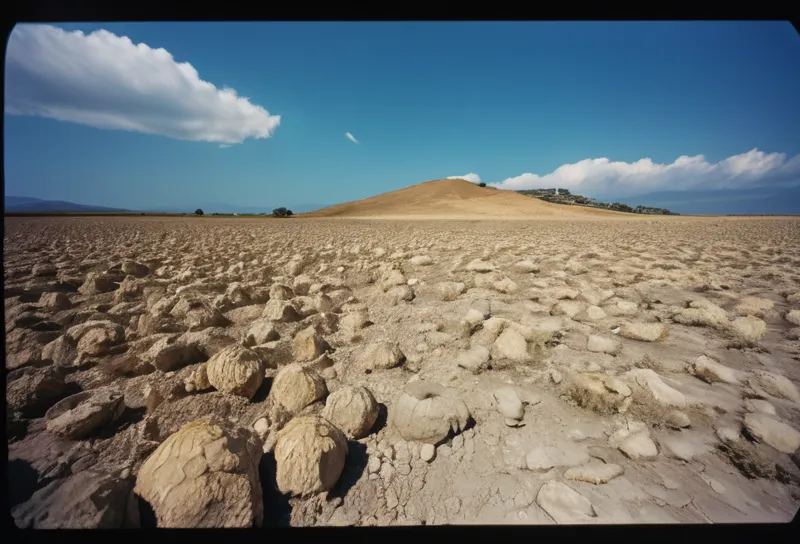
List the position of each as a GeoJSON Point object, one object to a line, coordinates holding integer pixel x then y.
{"type": "Point", "coordinates": [577, 367]}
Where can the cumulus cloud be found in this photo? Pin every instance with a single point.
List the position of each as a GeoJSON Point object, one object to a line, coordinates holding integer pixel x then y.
{"type": "Point", "coordinates": [351, 137]}
{"type": "Point", "coordinates": [600, 176]}
{"type": "Point", "coordinates": [472, 176]}
{"type": "Point", "coordinates": [106, 81]}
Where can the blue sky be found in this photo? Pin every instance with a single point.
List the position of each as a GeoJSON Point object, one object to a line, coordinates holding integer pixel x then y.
{"type": "Point", "coordinates": [508, 103]}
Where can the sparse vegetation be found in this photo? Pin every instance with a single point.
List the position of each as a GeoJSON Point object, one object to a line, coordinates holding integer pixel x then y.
{"type": "Point", "coordinates": [564, 196]}
{"type": "Point", "coordinates": [281, 212]}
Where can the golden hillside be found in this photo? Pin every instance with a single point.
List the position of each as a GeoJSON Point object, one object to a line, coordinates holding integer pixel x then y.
{"type": "Point", "coordinates": [457, 199]}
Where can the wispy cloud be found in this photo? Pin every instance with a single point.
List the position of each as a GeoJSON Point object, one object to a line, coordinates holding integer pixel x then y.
{"type": "Point", "coordinates": [602, 176]}
{"type": "Point", "coordinates": [106, 81]}
{"type": "Point", "coordinates": [351, 138]}
{"type": "Point", "coordinates": [472, 176]}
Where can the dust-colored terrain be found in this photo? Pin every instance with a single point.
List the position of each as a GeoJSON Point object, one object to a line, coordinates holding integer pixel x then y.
{"type": "Point", "coordinates": [458, 199]}
{"type": "Point", "coordinates": [235, 372]}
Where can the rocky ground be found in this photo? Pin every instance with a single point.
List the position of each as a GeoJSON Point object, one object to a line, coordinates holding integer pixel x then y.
{"type": "Point", "coordinates": [204, 372]}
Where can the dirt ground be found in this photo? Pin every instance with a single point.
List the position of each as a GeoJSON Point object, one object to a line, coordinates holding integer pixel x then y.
{"type": "Point", "coordinates": [655, 361]}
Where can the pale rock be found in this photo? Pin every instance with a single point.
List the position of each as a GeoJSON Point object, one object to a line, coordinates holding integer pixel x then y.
{"type": "Point", "coordinates": [539, 460]}
{"type": "Point", "coordinates": [644, 332]}
{"type": "Point", "coordinates": [748, 329]}
{"type": "Point", "coordinates": [650, 381]}
{"type": "Point", "coordinates": [428, 412]}
{"type": "Point", "coordinates": [296, 387]}
{"type": "Point", "coordinates": [755, 306]}
{"type": "Point", "coordinates": [703, 313]}
{"type": "Point", "coordinates": [281, 311]}
{"type": "Point", "coordinates": [353, 409]}
{"type": "Point", "coordinates": [617, 386]}
{"type": "Point", "coordinates": [476, 359]}
{"type": "Point", "coordinates": [310, 454]}
{"type": "Point", "coordinates": [421, 260]}
{"type": "Point", "coordinates": [793, 317]}
{"type": "Point", "coordinates": [78, 416]}
{"type": "Point", "coordinates": [203, 476]}
{"type": "Point", "coordinates": [509, 403]}
{"type": "Point", "coordinates": [381, 356]}
{"type": "Point", "coordinates": [772, 431]}
{"type": "Point", "coordinates": [569, 308]}
{"type": "Point", "coordinates": [590, 313]}
{"type": "Point", "coordinates": [260, 332]}
{"type": "Point", "coordinates": [526, 266]}
{"type": "Point", "coordinates": [483, 306]}
{"type": "Point", "coordinates": [480, 266]}
{"type": "Point", "coordinates": [564, 504]}
{"type": "Point", "coordinates": [308, 344]}
{"type": "Point", "coordinates": [758, 405]}
{"type": "Point", "coordinates": [711, 371]}
{"type": "Point", "coordinates": [776, 385]}
{"type": "Point", "coordinates": [86, 500]}
{"type": "Point", "coordinates": [675, 419]}
{"type": "Point", "coordinates": [595, 472]}
{"type": "Point", "coordinates": [562, 293]}
{"type": "Point", "coordinates": [684, 446]}
{"type": "Point", "coordinates": [236, 370]}
{"type": "Point", "coordinates": [639, 446]}
{"type": "Point", "coordinates": [510, 345]}
{"type": "Point", "coordinates": [449, 290]}
{"type": "Point", "coordinates": [601, 344]}
{"type": "Point", "coordinates": [427, 452]}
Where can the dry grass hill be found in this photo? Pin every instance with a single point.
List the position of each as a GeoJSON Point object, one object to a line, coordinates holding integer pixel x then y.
{"type": "Point", "coordinates": [458, 199]}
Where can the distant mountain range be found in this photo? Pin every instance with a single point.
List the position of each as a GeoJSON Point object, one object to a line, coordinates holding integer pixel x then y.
{"type": "Point", "coordinates": [26, 204]}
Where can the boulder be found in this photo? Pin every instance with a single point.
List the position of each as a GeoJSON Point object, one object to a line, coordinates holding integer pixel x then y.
{"type": "Point", "coordinates": [96, 338]}
{"type": "Point", "coordinates": [449, 290]}
{"type": "Point", "coordinates": [649, 381]}
{"type": "Point", "coordinates": [480, 266]}
{"type": "Point", "coordinates": [310, 453]}
{"type": "Point", "coordinates": [381, 356]}
{"type": "Point", "coordinates": [428, 412]}
{"type": "Point", "coordinates": [702, 313]}
{"type": "Point", "coordinates": [644, 332]}
{"type": "Point", "coordinates": [281, 311]}
{"type": "Point", "coordinates": [772, 431]}
{"type": "Point", "coordinates": [675, 419]}
{"type": "Point", "coordinates": [564, 504]}
{"type": "Point", "coordinates": [748, 330]}
{"type": "Point", "coordinates": [509, 403]}
{"type": "Point", "coordinates": [639, 446]}
{"type": "Point", "coordinates": [352, 409]}
{"type": "Point", "coordinates": [204, 476]}
{"type": "Point", "coordinates": [510, 345]}
{"type": "Point", "coordinates": [86, 500]}
{"type": "Point", "coordinates": [594, 472]}
{"type": "Point", "coordinates": [601, 344]}
{"type": "Point", "coordinates": [236, 370]}
{"type": "Point", "coordinates": [476, 359]}
{"type": "Point", "coordinates": [296, 387]}
{"type": "Point", "coordinates": [55, 301]}
{"type": "Point", "coordinates": [260, 332]}
{"type": "Point", "coordinates": [711, 371]}
{"type": "Point", "coordinates": [32, 391]}
{"type": "Point", "coordinates": [78, 416]}
{"type": "Point", "coordinates": [775, 385]}
{"type": "Point", "coordinates": [167, 355]}
{"type": "Point", "coordinates": [308, 344]}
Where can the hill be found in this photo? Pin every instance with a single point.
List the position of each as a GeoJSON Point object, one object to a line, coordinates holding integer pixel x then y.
{"type": "Point", "coordinates": [26, 204]}
{"type": "Point", "coordinates": [457, 199]}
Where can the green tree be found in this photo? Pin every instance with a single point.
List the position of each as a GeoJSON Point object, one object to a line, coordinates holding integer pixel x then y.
{"type": "Point", "coordinates": [481, 184]}
{"type": "Point", "coordinates": [198, 211]}
{"type": "Point", "coordinates": [281, 212]}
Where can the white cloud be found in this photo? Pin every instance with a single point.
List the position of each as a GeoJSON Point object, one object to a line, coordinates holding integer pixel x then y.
{"type": "Point", "coordinates": [473, 177]}
{"type": "Point", "coordinates": [108, 82]}
{"type": "Point", "coordinates": [600, 176]}
{"type": "Point", "coordinates": [351, 137]}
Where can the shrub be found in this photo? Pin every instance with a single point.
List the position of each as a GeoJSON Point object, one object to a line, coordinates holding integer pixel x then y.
{"type": "Point", "coordinates": [481, 184]}
{"type": "Point", "coordinates": [281, 212]}
{"type": "Point", "coordinates": [198, 211]}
